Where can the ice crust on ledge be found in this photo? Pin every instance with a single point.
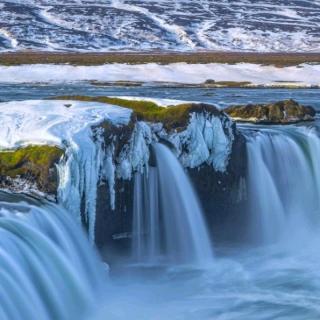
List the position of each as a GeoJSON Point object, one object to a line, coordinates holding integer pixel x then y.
{"type": "Point", "coordinates": [53, 121]}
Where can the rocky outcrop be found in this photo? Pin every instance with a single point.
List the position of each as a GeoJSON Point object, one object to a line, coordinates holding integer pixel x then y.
{"type": "Point", "coordinates": [32, 168]}
{"type": "Point", "coordinates": [282, 112]}
{"type": "Point", "coordinates": [205, 140]}
{"type": "Point", "coordinates": [208, 145]}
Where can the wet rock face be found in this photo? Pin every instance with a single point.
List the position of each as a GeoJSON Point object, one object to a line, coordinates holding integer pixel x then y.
{"type": "Point", "coordinates": [282, 112]}
{"type": "Point", "coordinates": [202, 135]}
{"type": "Point", "coordinates": [223, 194]}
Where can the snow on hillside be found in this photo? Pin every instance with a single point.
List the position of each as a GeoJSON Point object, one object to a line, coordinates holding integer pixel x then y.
{"type": "Point", "coordinates": [104, 25]}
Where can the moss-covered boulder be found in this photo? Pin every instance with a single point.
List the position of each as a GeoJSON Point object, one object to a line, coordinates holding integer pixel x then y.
{"type": "Point", "coordinates": [282, 112]}
{"type": "Point", "coordinates": [30, 167]}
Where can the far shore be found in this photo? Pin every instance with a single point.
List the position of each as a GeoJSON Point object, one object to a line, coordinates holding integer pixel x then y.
{"type": "Point", "coordinates": [91, 59]}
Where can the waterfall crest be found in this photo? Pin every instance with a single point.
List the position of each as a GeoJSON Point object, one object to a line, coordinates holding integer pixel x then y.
{"type": "Point", "coordinates": [48, 269]}
{"type": "Point", "coordinates": [168, 223]}
{"type": "Point", "coordinates": [283, 182]}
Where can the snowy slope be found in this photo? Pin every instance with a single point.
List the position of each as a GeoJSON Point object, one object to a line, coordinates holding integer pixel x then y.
{"type": "Point", "coordinates": [302, 75]}
{"type": "Point", "coordinates": [104, 25]}
{"type": "Point", "coordinates": [53, 122]}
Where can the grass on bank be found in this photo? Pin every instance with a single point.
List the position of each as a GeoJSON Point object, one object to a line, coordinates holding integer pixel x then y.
{"type": "Point", "coordinates": [90, 59]}
{"type": "Point", "coordinates": [173, 117]}
{"type": "Point", "coordinates": [31, 159]}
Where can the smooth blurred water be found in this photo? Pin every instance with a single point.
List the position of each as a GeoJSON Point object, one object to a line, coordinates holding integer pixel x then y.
{"type": "Point", "coordinates": [168, 223]}
{"type": "Point", "coordinates": [221, 97]}
{"type": "Point", "coordinates": [48, 270]}
{"type": "Point", "coordinates": [283, 185]}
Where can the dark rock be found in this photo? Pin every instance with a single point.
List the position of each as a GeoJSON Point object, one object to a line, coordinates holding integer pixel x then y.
{"type": "Point", "coordinates": [223, 194]}
{"type": "Point", "coordinates": [282, 112]}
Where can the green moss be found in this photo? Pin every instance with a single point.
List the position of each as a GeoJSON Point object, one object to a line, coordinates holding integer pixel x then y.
{"type": "Point", "coordinates": [172, 117]}
{"type": "Point", "coordinates": [229, 84]}
{"type": "Point", "coordinates": [33, 163]}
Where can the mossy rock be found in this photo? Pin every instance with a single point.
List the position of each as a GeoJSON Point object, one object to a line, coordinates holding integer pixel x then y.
{"type": "Point", "coordinates": [35, 164]}
{"type": "Point", "coordinates": [226, 84]}
{"type": "Point", "coordinates": [282, 112]}
{"type": "Point", "coordinates": [172, 117]}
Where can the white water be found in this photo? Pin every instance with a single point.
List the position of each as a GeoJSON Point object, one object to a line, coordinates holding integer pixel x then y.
{"type": "Point", "coordinates": [168, 221]}
{"type": "Point", "coordinates": [48, 270]}
{"type": "Point", "coordinates": [284, 183]}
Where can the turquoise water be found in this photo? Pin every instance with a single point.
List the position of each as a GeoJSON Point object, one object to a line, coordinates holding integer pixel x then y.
{"type": "Point", "coordinates": [220, 97]}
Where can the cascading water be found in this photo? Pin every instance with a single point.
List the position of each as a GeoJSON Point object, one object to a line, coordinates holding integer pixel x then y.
{"type": "Point", "coordinates": [48, 270]}
{"type": "Point", "coordinates": [283, 182]}
{"type": "Point", "coordinates": [168, 222]}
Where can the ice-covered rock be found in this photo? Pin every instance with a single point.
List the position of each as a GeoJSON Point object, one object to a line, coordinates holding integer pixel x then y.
{"type": "Point", "coordinates": [207, 139]}
{"type": "Point", "coordinates": [105, 145]}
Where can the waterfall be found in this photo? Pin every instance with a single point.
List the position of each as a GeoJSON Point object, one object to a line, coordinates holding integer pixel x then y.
{"type": "Point", "coordinates": [168, 223]}
{"type": "Point", "coordinates": [48, 269]}
{"type": "Point", "coordinates": [283, 182]}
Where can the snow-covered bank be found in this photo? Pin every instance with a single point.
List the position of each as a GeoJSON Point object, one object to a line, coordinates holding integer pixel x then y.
{"type": "Point", "coordinates": [67, 124]}
{"type": "Point", "coordinates": [52, 121]}
{"type": "Point", "coordinates": [301, 75]}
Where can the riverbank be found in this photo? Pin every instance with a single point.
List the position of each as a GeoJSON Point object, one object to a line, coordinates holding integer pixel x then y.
{"type": "Point", "coordinates": [93, 59]}
{"type": "Point", "coordinates": [211, 75]}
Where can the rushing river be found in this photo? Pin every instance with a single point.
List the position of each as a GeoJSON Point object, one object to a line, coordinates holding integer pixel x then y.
{"type": "Point", "coordinates": [277, 278]}
{"type": "Point", "coordinates": [220, 97]}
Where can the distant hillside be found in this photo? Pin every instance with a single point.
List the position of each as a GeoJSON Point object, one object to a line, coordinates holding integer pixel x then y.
{"type": "Point", "coordinates": [179, 25]}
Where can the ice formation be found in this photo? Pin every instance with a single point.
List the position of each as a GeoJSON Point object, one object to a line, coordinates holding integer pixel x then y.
{"type": "Point", "coordinates": [207, 139]}
{"type": "Point", "coordinates": [89, 161]}
{"type": "Point", "coordinates": [67, 124]}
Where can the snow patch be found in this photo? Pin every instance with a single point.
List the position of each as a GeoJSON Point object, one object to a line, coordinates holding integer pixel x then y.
{"type": "Point", "coordinates": [305, 74]}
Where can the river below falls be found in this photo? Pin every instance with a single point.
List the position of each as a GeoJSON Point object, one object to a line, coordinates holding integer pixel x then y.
{"type": "Point", "coordinates": [279, 281]}
{"type": "Point", "coordinates": [257, 283]}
